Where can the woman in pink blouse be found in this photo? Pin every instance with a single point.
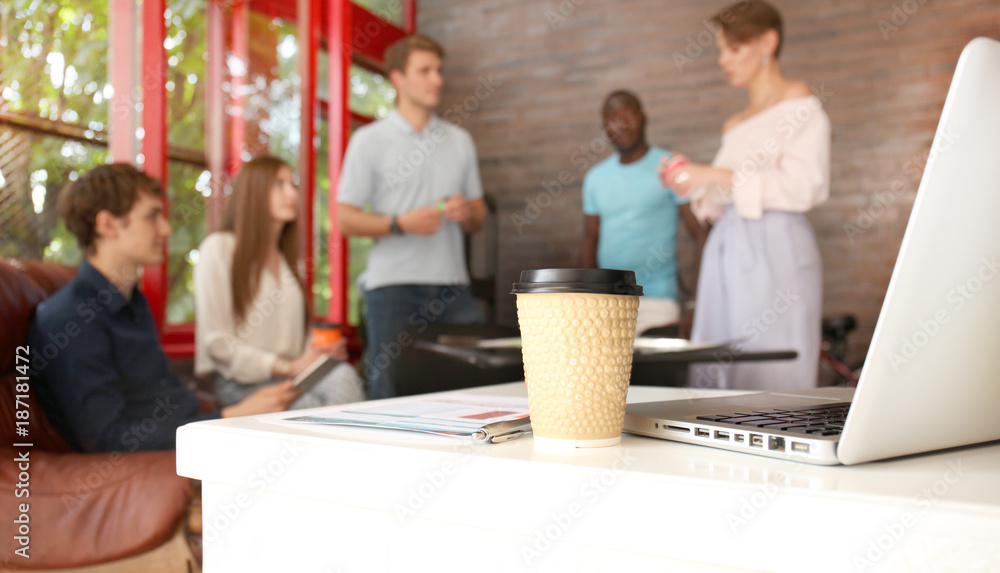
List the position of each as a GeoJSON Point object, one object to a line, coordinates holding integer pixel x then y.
{"type": "Point", "coordinates": [761, 274]}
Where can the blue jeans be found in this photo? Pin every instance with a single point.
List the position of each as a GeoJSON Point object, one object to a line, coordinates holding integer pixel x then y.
{"type": "Point", "coordinates": [393, 312]}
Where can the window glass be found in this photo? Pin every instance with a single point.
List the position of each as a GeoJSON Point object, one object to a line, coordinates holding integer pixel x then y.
{"type": "Point", "coordinates": [34, 168]}
{"type": "Point", "coordinates": [370, 94]}
{"type": "Point", "coordinates": [270, 90]}
{"type": "Point", "coordinates": [188, 182]}
{"type": "Point", "coordinates": [53, 76]}
{"type": "Point", "coordinates": [55, 61]}
{"type": "Point", "coordinates": [187, 191]}
{"type": "Point", "coordinates": [322, 292]}
{"type": "Point", "coordinates": [186, 51]}
{"type": "Point", "coordinates": [358, 247]}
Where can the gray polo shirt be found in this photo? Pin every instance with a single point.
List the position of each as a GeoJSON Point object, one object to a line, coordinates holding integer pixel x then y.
{"type": "Point", "coordinates": [391, 167]}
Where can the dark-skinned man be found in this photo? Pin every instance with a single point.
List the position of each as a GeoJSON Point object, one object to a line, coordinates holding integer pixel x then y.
{"type": "Point", "coordinates": [631, 219]}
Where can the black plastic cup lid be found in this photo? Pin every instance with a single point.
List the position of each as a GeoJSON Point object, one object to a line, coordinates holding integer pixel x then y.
{"type": "Point", "coordinates": [595, 281]}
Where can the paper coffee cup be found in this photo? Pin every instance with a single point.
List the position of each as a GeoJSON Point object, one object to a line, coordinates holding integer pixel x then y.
{"type": "Point", "coordinates": [577, 331]}
{"type": "Point", "coordinates": [325, 334]}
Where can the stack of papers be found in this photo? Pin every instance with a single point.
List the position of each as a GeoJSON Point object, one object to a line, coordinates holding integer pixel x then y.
{"type": "Point", "coordinates": [482, 418]}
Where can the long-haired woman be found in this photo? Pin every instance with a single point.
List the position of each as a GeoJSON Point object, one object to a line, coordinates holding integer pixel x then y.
{"type": "Point", "coordinates": [761, 274]}
{"type": "Point", "coordinates": [252, 309]}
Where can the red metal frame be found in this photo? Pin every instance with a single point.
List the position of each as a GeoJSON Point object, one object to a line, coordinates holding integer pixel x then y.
{"type": "Point", "coordinates": [178, 340]}
{"type": "Point", "coordinates": [350, 33]}
{"type": "Point", "coordinates": [215, 114]}
{"type": "Point", "coordinates": [309, 35]}
{"type": "Point", "coordinates": [410, 16]}
{"type": "Point", "coordinates": [363, 33]}
{"type": "Point", "coordinates": [240, 41]}
{"type": "Point", "coordinates": [369, 35]}
{"type": "Point", "coordinates": [154, 141]}
{"type": "Point", "coordinates": [122, 143]}
{"type": "Point", "coordinates": [339, 124]}
{"type": "Point", "coordinates": [356, 118]}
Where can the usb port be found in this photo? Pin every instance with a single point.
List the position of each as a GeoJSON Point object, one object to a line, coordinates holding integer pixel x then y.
{"type": "Point", "coordinates": [701, 433]}
{"type": "Point", "coordinates": [776, 443]}
{"type": "Point", "coordinates": [721, 435]}
{"type": "Point", "coordinates": [738, 438]}
{"type": "Point", "coordinates": [757, 440]}
{"type": "Point", "coordinates": [800, 447]}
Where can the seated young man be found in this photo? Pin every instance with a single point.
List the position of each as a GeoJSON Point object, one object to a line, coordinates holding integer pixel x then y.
{"type": "Point", "coordinates": [101, 375]}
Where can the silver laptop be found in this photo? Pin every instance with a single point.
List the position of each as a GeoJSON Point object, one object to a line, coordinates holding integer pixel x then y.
{"type": "Point", "coordinates": [932, 376]}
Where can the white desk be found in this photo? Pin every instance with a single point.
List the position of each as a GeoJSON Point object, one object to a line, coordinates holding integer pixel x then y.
{"type": "Point", "coordinates": [333, 499]}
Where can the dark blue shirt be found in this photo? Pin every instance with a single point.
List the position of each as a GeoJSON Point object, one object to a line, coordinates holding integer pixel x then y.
{"type": "Point", "coordinates": [101, 375]}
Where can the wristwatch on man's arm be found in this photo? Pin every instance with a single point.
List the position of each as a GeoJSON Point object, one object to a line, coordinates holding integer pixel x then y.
{"type": "Point", "coordinates": [394, 228]}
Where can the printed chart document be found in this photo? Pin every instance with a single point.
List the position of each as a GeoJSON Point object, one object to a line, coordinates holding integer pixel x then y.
{"type": "Point", "coordinates": [482, 418]}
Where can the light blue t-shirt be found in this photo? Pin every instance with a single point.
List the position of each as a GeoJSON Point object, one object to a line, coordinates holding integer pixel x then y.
{"type": "Point", "coordinates": [394, 169]}
{"type": "Point", "coordinates": [638, 220]}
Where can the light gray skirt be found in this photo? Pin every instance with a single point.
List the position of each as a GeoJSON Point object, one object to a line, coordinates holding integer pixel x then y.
{"type": "Point", "coordinates": [761, 285]}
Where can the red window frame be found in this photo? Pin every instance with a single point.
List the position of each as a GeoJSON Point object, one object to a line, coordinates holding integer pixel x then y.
{"type": "Point", "coordinates": [334, 25]}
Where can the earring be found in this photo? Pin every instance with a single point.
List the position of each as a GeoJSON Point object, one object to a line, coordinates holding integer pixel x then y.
{"type": "Point", "coordinates": [765, 60]}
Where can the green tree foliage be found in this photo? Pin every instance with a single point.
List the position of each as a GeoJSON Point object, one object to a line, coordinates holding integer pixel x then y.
{"type": "Point", "coordinates": [54, 73]}
{"type": "Point", "coordinates": [52, 68]}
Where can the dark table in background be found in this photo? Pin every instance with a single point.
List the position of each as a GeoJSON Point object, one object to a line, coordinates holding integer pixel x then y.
{"type": "Point", "coordinates": [649, 368]}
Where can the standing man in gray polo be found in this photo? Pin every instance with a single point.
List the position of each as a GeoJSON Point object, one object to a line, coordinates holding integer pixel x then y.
{"type": "Point", "coordinates": [419, 176]}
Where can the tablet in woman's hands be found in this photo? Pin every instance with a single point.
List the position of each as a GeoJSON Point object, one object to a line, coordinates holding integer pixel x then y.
{"type": "Point", "coordinates": [314, 373]}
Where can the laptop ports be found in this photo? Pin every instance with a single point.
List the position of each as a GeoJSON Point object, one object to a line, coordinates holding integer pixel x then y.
{"type": "Point", "coordinates": [800, 447]}
{"type": "Point", "coordinates": [701, 433]}
{"type": "Point", "coordinates": [756, 440]}
{"type": "Point", "coordinates": [776, 443]}
{"type": "Point", "coordinates": [721, 435]}
{"type": "Point", "coordinates": [739, 438]}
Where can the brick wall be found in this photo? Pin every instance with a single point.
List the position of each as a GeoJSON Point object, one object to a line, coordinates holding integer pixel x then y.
{"type": "Point", "coordinates": [527, 78]}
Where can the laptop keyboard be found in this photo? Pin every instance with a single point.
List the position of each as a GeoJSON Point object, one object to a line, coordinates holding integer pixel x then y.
{"type": "Point", "coordinates": [814, 420]}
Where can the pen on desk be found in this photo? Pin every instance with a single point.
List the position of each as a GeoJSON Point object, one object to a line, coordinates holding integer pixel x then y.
{"type": "Point", "coordinates": [503, 431]}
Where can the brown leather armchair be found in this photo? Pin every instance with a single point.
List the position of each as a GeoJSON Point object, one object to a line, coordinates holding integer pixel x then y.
{"type": "Point", "coordinates": [122, 510]}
